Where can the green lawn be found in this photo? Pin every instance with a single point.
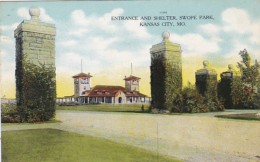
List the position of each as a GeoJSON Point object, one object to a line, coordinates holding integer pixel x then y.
{"type": "Point", "coordinates": [106, 107]}
{"type": "Point", "coordinates": [61, 146]}
{"type": "Point", "coordinates": [45, 122]}
{"type": "Point", "coordinates": [244, 116]}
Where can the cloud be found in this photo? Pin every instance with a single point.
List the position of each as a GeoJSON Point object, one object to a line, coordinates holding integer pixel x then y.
{"type": "Point", "coordinates": [196, 44]}
{"type": "Point", "coordinates": [74, 60]}
{"type": "Point", "coordinates": [7, 74]}
{"type": "Point", "coordinates": [45, 17]}
{"type": "Point", "coordinates": [78, 32]}
{"type": "Point", "coordinates": [2, 55]}
{"type": "Point", "coordinates": [23, 12]}
{"type": "Point", "coordinates": [255, 33]}
{"type": "Point", "coordinates": [5, 39]}
{"type": "Point", "coordinates": [105, 23]}
{"type": "Point", "coordinates": [79, 18]}
{"type": "Point", "coordinates": [238, 21]}
{"type": "Point", "coordinates": [101, 43]}
{"type": "Point", "coordinates": [232, 56]}
{"type": "Point", "coordinates": [68, 43]}
{"type": "Point", "coordinates": [84, 23]}
{"type": "Point", "coordinates": [106, 44]}
{"type": "Point", "coordinates": [114, 12]}
{"type": "Point", "coordinates": [212, 31]}
{"type": "Point", "coordinates": [209, 29]}
{"type": "Point", "coordinates": [8, 27]}
{"type": "Point", "coordinates": [133, 26]}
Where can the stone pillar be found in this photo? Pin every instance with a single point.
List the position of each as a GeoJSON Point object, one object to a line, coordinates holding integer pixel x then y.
{"type": "Point", "coordinates": [225, 85]}
{"type": "Point", "coordinates": [206, 81]}
{"type": "Point", "coordinates": [35, 42]}
{"type": "Point", "coordinates": [166, 72]}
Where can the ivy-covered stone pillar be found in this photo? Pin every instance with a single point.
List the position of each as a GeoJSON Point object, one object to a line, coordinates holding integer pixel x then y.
{"type": "Point", "coordinates": [166, 73]}
{"type": "Point", "coordinates": [229, 81]}
{"type": "Point", "coordinates": [206, 81]}
{"type": "Point", "coordinates": [35, 62]}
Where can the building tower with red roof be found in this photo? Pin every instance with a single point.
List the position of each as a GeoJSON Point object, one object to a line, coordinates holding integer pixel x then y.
{"type": "Point", "coordinates": [81, 84]}
{"type": "Point", "coordinates": [132, 83]}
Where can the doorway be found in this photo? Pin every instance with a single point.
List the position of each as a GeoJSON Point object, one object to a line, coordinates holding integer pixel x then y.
{"type": "Point", "coordinates": [120, 100]}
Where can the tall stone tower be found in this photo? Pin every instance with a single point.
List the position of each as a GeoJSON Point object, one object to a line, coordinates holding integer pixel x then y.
{"type": "Point", "coordinates": [166, 72]}
{"type": "Point", "coordinates": [132, 83]}
{"type": "Point", "coordinates": [206, 81]}
{"type": "Point", "coordinates": [35, 43]}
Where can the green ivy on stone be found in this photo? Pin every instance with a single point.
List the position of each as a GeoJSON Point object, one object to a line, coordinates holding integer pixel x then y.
{"type": "Point", "coordinates": [166, 82]}
{"type": "Point", "coordinates": [36, 101]}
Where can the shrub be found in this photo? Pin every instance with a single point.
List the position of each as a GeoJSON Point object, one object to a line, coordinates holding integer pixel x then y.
{"type": "Point", "coordinates": [37, 95]}
{"type": "Point", "coordinates": [237, 93]}
{"type": "Point", "coordinates": [215, 105]}
{"type": "Point", "coordinates": [256, 104]}
{"type": "Point", "coordinates": [8, 108]}
{"type": "Point", "coordinates": [191, 101]}
{"type": "Point", "coordinates": [9, 113]}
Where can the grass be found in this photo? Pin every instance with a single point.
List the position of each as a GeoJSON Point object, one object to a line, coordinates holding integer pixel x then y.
{"type": "Point", "coordinates": [244, 116]}
{"type": "Point", "coordinates": [52, 145]}
{"type": "Point", "coordinates": [106, 108]}
{"type": "Point", "coordinates": [44, 122]}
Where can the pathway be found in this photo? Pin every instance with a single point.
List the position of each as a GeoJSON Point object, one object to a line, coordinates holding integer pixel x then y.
{"type": "Point", "coordinates": [189, 137]}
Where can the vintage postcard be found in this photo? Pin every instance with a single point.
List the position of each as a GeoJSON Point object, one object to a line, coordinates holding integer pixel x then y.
{"type": "Point", "coordinates": [130, 80]}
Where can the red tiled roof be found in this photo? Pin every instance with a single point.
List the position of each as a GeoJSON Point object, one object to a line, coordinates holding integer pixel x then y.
{"type": "Point", "coordinates": [110, 91]}
{"type": "Point", "coordinates": [135, 94]}
{"type": "Point", "coordinates": [131, 77]}
{"type": "Point", "coordinates": [82, 75]}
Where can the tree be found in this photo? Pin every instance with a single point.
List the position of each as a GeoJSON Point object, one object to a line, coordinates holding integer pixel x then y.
{"type": "Point", "coordinates": [250, 73]}
{"type": "Point", "coordinates": [237, 94]}
{"type": "Point", "coordinates": [250, 79]}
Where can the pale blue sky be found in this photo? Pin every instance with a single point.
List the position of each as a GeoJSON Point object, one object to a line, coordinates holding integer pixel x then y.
{"type": "Point", "coordinates": [84, 31]}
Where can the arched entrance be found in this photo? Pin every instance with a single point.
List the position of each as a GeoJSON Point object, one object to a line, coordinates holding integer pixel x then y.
{"type": "Point", "coordinates": [120, 100]}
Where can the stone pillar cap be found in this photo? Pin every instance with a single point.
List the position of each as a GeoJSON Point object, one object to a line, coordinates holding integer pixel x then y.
{"type": "Point", "coordinates": [34, 13]}
{"type": "Point", "coordinates": [232, 70]}
{"type": "Point", "coordinates": [165, 35]}
{"type": "Point", "coordinates": [206, 64]}
{"type": "Point", "coordinates": [230, 67]}
{"type": "Point", "coordinates": [206, 70]}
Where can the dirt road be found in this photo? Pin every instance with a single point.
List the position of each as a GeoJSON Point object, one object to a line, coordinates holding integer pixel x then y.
{"type": "Point", "coordinates": [196, 137]}
{"type": "Point", "coordinates": [188, 137]}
